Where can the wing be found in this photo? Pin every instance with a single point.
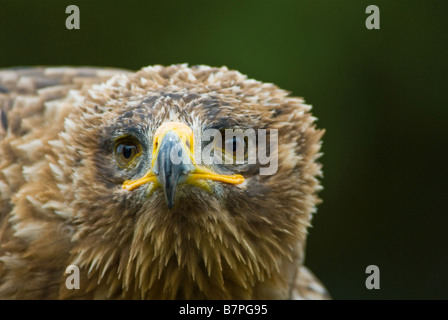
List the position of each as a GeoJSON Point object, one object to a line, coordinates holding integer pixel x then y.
{"type": "Point", "coordinates": [33, 105]}
{"type": "Point", "coordinates": [308, 287]}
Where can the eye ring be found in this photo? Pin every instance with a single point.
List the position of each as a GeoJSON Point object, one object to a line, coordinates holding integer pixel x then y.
{"type": "Point", "coordinates": [126, 150]}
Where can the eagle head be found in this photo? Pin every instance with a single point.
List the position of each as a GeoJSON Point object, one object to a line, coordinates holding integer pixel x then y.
{"type": "Point", "coordinates": [186, 182]}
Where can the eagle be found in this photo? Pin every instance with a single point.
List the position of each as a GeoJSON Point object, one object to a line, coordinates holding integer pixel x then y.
{"type": "Point", "coordinates": [88, 179]}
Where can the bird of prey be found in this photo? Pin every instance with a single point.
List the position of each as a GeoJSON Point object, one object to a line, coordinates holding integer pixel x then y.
{"type": "Point", "coordinates": [86, 180]}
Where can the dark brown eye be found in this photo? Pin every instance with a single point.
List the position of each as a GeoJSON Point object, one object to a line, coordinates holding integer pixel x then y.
{"type": "Point", "coordinates": [233, 143]}
{"type": "Point", "coordinates": [126, 151]}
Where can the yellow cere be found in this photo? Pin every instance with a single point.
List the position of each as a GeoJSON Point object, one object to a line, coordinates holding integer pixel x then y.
{"type": "Point", "coordinates": [184, 132]}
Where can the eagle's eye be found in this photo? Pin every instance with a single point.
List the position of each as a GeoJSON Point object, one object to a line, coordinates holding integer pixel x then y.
{"type": "Point", "coordinates": [235, 145]}
{"type": "Point", "coordinates": [126, 150]}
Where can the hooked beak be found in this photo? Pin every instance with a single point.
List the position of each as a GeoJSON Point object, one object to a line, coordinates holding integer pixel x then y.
{"type": "Point", "coordinates": [173, 163]}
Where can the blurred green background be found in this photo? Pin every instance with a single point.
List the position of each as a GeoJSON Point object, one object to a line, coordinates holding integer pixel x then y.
{"type": "Point", "coordinates": [380, 94]}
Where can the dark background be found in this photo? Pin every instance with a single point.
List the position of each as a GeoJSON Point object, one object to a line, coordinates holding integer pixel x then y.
{"type": "Point", "coordinates": [380, 94]}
